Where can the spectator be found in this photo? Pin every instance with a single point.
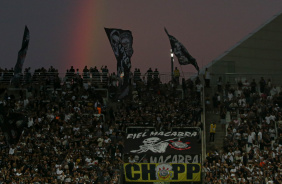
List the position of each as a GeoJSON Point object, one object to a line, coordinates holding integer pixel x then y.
{"type": "Point", "coordinates": [63, 142]}
{"type": "Point", "coordinates": [219, 84]}
{"type": "Point", "coordinates": [262, 84]}
{"type": "Point", "coordinates": [212, 131]}
{"type": "Point", "coordinates": [207, 78]}
{"type": "Point", "coordinates": [253, 86]}
{"type": "Point", "coordinates": [176, 75]}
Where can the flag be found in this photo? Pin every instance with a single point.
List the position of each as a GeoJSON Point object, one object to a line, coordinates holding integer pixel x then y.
{"type": "Point", "coordinates": [124, 93]}
{"type": "Point", "coordinates": [13, 124]}
{"type": "Point", "coordinates": [183, 56]}
{"type": "Point", "coordinates": [121, 42]}
{"type": "Point", "coordinates": [22, 53]}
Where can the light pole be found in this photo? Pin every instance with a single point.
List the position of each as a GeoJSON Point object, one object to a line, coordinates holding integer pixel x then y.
{"type": "Point", "coordinates": [171, 60]}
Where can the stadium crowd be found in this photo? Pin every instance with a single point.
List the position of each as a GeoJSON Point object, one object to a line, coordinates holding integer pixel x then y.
{"type": "Point", "coordinates": [252, 148]}
{"type": "Point", "coordinates": [72, 135]}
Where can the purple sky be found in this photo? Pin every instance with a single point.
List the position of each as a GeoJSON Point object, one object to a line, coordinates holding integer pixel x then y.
{"type": "Point", "coordinates": [206, 28]}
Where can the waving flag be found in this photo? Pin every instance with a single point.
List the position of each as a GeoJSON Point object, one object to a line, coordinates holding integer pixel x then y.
{"type": "Point", "coordinates": [183, 56]}
{"type": "Point", "coordinates": [121, 42]}
{"type": "Point", "coordinates": [22, 53]}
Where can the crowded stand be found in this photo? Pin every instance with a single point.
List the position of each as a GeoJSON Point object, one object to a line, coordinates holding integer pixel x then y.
{"type": "Point", "coordinates": [72, 133]}
{"type": "Point", "coordinates": [252, 147]}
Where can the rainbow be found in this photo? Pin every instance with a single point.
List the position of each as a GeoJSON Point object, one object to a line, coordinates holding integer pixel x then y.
{"type": "Point", "coordinates": [81, 45]}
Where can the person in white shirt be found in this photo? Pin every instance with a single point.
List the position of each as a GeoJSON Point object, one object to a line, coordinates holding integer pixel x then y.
{"type": "Point", "coordinates": [250, 140]}
{"type": "Point", "coordinates": [50, 116]}
{"type": "Point", "coordinates": [268, 118]}
{"type": "Point", "coordinates": [250, 167]}
{"type": "Point", "coordinates": [246, 84]}
{"type": "Point", "coordinates": [230, 96]}
{"type": "Point", "coordinates": [253, 135]}
{"type": "Point", "coordinates": [26, 102]}
{"type": "Point", "coordinates": [118, 154]}
{"type": "Point", "coordinates": [30, 122]}
{"type": "Point", "coordinates": [272, 117]}
{"type": "Point", "coordinates": [237, 151]}
{"type": "Point", "coordinates": [62, 176]}
{"type": "Point", "coordinates": [97, 103]}
{"type": "Point", "coordinates": [88, 160]}
{"type": "Point", "coordinates": [136, 157]}
{"type": "Point", "coordinates": [11, 150]}
{"type": "Point", "coordinates": [274, 91]}
{"type": "Point", "coordinates": [57, 166]}
{"type": "Point", "coordinates": [260, 135]}
{"type": "Point", "coordinates": [272, 132]}
{"type": "Point", "coordinates": [238, 135]}
{"type": "Point", "coordinates": [100, 142]}
{"type": "Point", "coordinates": [230, 156]}
{"type": "Point", "coordinates": [131, 159]}
{"type": "Point", "coordinates": [76, 128]}
{"type": "Point", "coordinates": [242, 102]}
{"type": "Point", "coordinates": [199, 88]}
{"type": "Point", "coordinates": [238, 93]}
{"type": "Point", "coordinates": [233, 171]}
{"type": "Point", "coordinates": [107, 140]}
{"type": "Point", "coordinates": [18, 173]}
{"type": "Point", "coordinates": [59, 171]}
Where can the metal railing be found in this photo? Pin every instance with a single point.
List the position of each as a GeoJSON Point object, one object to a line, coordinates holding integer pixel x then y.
{"type": "Point", "coordinates": [234, 78]}
{"type": "Point", "coordinates": [6, 77]}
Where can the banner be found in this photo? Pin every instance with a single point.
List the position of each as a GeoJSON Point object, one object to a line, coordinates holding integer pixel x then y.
{"type": "Point", "coordinates": [121, 42]}
{"type": "Point", "coordinates": [180, 158]}
{"type": "Point", "coordinates": [183, 56]}
{"type": "Point", "coordinates": [163, 143]}
{"type": "Point", "coordinates": [22, 52]}
{"type": "Point", "coordinates": [152, 172]}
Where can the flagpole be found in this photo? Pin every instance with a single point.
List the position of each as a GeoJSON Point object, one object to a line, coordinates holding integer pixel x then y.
{"type": "Point", "coordinates": [182, 71]}
{"type": "Point", "coordinates": [171, 60]}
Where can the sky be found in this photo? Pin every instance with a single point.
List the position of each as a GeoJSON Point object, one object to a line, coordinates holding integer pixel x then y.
{"type": "Point", "coordinates": [68, 33]}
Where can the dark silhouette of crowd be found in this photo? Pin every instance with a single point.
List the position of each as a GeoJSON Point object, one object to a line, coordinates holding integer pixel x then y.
{"type": "Point", "coordinates": [65, 130]}
{"type": "Point", "coordinates": [252, 148]}
{"type": "Point", "coordinates": [70, 130]}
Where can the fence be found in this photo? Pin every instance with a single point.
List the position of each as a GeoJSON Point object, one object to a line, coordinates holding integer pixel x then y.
{"type": "Point", "coordinates": [234, 78]}
{"type": "Point", "coordinates": [164, 77]}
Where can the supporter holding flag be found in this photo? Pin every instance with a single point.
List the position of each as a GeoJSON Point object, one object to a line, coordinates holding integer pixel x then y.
{"type": "Point", "coordinates": [121, 42]}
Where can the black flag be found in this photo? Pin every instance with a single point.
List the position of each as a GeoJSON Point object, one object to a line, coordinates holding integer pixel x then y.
{"type": "Point", "coordinates": [121, 42]}
{"type": "Point", "coordinates": [183, 56]}
{"type": "Point", "coordinates": [22, 53]}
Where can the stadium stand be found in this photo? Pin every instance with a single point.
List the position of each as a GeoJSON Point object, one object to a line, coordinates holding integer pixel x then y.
{"type": "Point", "coordinates": [57, 130]}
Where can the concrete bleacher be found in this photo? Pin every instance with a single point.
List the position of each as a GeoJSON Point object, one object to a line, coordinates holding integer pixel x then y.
{"type": "Point", "coordinates": [212, 115]}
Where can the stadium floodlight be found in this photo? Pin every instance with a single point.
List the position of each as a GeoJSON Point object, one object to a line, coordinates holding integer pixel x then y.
{"type": "Point", "coordinates": [171, 60]}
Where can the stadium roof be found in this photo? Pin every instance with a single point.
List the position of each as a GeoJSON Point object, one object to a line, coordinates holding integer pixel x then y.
{"type": "Point", "coordinates": [258, 52]}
